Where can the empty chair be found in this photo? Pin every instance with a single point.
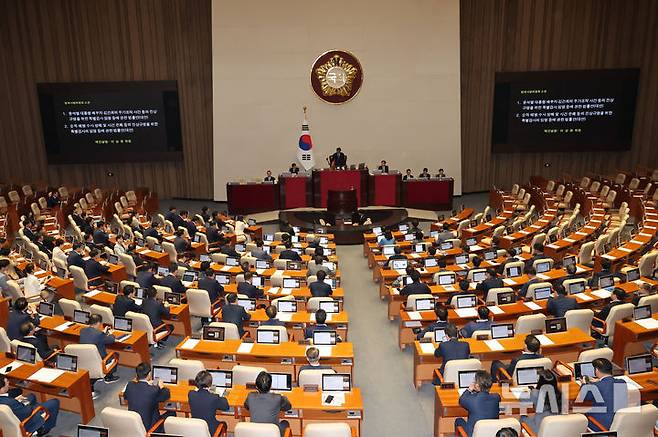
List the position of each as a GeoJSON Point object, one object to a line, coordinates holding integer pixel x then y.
{"type": "Point", "coordinates": [123, 422]}
{"type": "Point", "coordinates": [243, 375]}
{"type": "Point", "coordinates": [650, 300]}
{"type": "Point", "coordinates": [566, 201]}
{"type": "Point", "coordinates": [647, 263]}
{"type": "Point", "coordinates": [154, 334]}
{"type": "Point", "coordinates": [129, 264]}
{"type": "Point", "coordinates": [200, 305]}
{"type": "Point", "coordinates": [635, 422]}
{"type": "Point", "coordinates": [5, 344]}
{"type": "Point", "coordinates": [90, 359]}
{"type": "Point", "coordinates": [80, 280]}
{"type": "Point", "coordinates": [567, 425]}
{"type": "Point", "coordinates": [634, 184]}
{"type": "Point", "coordinates": [585, 254]}
{"type": "Point", "coordinates": [339, 429]}
{"type": "Point", "coordinates": [530, 322]}
{"type": "Point", "coordinates": [190, 427]}
{"type": "Point", "coordinates": [249, 429]}
{"type": "Point", "coordinates": [69, 306]}
{"type": "Point", "coordinates": [604, 191]}
{"type": "Point", "coordinates": [489, 427]}
{"type": "Point", "coordinates": [559, 191]}
{"type": "Point", "coordinates": [104, 312]}
{"type": "Point", "coordinates": [170, 249]}
{"type": "Point", "coordinates": [581, 319]}
{"type": "Point", "coordinates": [313, 377]}
{"type": "Point", "coordinates": [230, 330]}
{"type": "Point", "coordinates": [584, 182]}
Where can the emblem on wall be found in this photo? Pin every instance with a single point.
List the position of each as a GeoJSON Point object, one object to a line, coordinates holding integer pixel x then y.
{"type": "Point", "coordinates": [336, 76]}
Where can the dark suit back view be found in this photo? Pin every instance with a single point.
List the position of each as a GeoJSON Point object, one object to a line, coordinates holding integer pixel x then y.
{"type": "Point", "coordinates": [204, 405]}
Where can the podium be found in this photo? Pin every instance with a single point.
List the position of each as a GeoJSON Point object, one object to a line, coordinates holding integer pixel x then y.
{"type": "Point", "coordinates": [252, 197]}
{"type": "Point", "coordinates": [295, 191]}
{"type": "Point", "coordinates": [339, 180]}
{"type": "Point", "coordinates": [433, 194]}
{"type": "Point", "coordinates": [384, 189]}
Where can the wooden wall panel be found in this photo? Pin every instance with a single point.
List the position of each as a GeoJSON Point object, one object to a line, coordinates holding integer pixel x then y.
{"type": "Point", "coordinates": [106, 40]}
{"type": "Point", "coordinates": [521, 35]}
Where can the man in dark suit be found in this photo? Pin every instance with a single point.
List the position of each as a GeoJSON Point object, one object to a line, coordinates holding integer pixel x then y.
{"type": "Point", "coordinates": [606, 270]}
{"type": "Point", "coordinates": [94, 269]}
{"type": "Point", "coordinates": [481, 324]}
{"type": "Point", "coordinates": [531, 350]}
{"type": "Point", "coordinates": [416, 287]}
{"type": "Point", "coordinates": [271, 312]}
{"type": "Point", "coordinates": [234, 313]}
{"type": "Point", "coordinates": [383, 167]}
{"type": "Point", "coordinates": [617, 297]}
{"type": "Point", "coordinates": [606, 393]}
{"type": "Point", "coordinates": [247, 288]}
{"type": "Point", "coordinates": [293, 169]}
{"type": "Point", "coordinates": [173, 282]}
{"type": "Point", "coordinates": [101, 237]}
{"type": "Point", "coordinates": [319, 288]}
{"type": "Point", "coordinates": [152, 231]}
{"type": "Point", "coordinates": [397, 254]}
{"type": "Point", "coordinates": [479, 403]}
{"type": "Point", "coordinates": [338, 159]}
{"type": "Point", "coordinates": [97, 335]}
{"type": "Point", "coordinates": [144, 396]}
{"type": "Point", "coordinates": [269, 177]}
{"type": "Point", "coordinates": [212, 234]}
{"type": "Point", "coordinates": [571, 273]}
{"type": "Point", "coordinates": [532, 279]}
{"type": "Point", "coordinates": [560, 303]}
{"type": "Point", "coordinates": [180, 243]}
{"type": "Point", "coordinates": [288, 253]}
{"type": "Point", "coordinates": [259, 253]}
{"type": "Point", "coordinates": [155, 310]}
{"type": "Point", "coordinates": [173, 217]}
{"type": "Point", "coordinates": [227, 249]}
{"type": "Point", "coordinates": [146, 278]}
{"type": "Point", "coordinates": [313, 358]}
{"type": "Point", "coordinates": [75, 256]}
{"type": "Point", "coordinates": [491, 281]}
{"type": "Point", "coordinates": [208, 283]}
{"type": "Point", "coordinates": [23, 410]}
{"type": "Point", "coordinates": [38, 340]}
{"type": "Point", "coordinates": [19, 314]}
{"type": "Point", "coordinates": [48, 295]}
{"type": "Point", "coordinates": [124, 303]}
{"type": "Point", "coordinates": [203, 404]}
{"type": "Point", "coordinates": [441, 323]}
{"type": "Point", "coordinates": [407, 175]}
{"type": "Point", "coordinates": [265, 407]}
{"type": "Point", "coordinates": [425, 174]}
{"type": "Point", "coordinates": [452, 349]}
{"type": "Point", "coordinates": [320, 324]}
{"type": "Point", "coordinates": [537, 253]}
{"type": "Point", "coordinates": [188, 223]}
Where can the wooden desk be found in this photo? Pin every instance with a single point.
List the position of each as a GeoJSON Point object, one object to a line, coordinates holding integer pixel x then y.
{"type": "Point", "coordinates": [132, 351]}
{"type": "Point", "coordinates": [630, 338]}
{"type": "Point", "coordinates": [301, 294]}
{"type": "Point", "coordinates": [285, 357]}
{"type": "Point", "coordinates": [566, 347]}
{"type": "Point", "coordinates": [160, 258]}
{"type": "Point", "coordinates": [298, 321]}
{"type": "Point", "coordinates": [73, 389]}
{"type": "Point", "coordinates": [5, 302]}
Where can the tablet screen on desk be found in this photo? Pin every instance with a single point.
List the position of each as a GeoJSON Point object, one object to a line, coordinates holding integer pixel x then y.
{"type": "Point", "coordinates": [506, 297]}
{"type": "Point", "coordinates": [502, 330]}
{"type": "Point", "coordinates": [189, 276]}
{"type": "Point", "coordinates": [606, 281]}
{"type": "Point", "coordinates": [287, 306]}
{"type": "Point", "coordinates": [163, 271]}
{"type": "Point", "coordinates": [479, 276]}
{"type": "Point", "coordinates": [113, 259]}
{"type": "Point", "coordinates": [543, 267]}
{"type": "Point", "coordinates": [267, 336]}
{"type": "Point", "coordinates": [461, 259]}
{"type": "Point", "coordinates": [27, 354]}
{"type": "Point", "coordinates": [221, 378]}
{"type": "Point", "coordinates": [329, 306]}
{"type": "Point", "coordinates": [66, 362]}
{"type": "Point", "coordinates": [542, 293]}
{"type": "Point", "coordinates": [471, 241]}
{"type": "Point", "coordinates": [232, 262]}
{"type": "Point", "coordinates": [409, 237]}
{"type": "Point", "coordinates": [197, 238]}
{"type": "Point", "coordinates": [448, 279]}
{"type": "Point", "coordinates": [222, 279]}
{"type": "Point", "coordinates": [577, 287]}
{"type": "Point", "coordinates": [93, 431]}
{"type": "Point", "coordinates": [247, 304]}
{"type": "Point", "coordinates": [213, 333]}
{"type": "Point", "coordinates": [639, 364]}
{"type": "Point", "coordinates": [403, 228]}
{"type": "Point", "coordinates": [81, 317]}
{"type": "Point", "coordinates": [568, 261]}
{"type": "Point", "coordinates": [336, 382]}
{"type": "Point", "coordinates": [257, 281]}
{"type": "Point", "coordinates": [290, 283]}
{"type": "Point", "coordinates": [419, 248]}
{"type": "Point", "coordinates": [642, 312]}
{"type": "Point", "coordinates": [489, 255]}
{"type": "Point", "coordinates": [281, 381]}
{"type": "Point", "coordinates": [399, 264]}
{"type": "Point", "coordinates": [377, 230]}
{"type": "Point", "coordinates": [205, 258]}
{"type": "Point", "coordinates": [446, 245]}
{"type": "Point", "coordinates": [388, 250]}
{"type": "Point", "coordinates": [424, 304]}
{"type": "Point", "coordinates": [466, 378]}
{"type": "Point", "coordinates": [166, 374]}
{"type": "Point", "coordinates": [123, 324]}
{"type": "Point", "coordinates": [431, 262]}
{"type": "Point", "coordinates": [440, 335]}
{"type": "Point", "coordinates": [557, 324]}
{"type": "Point", "coordinates": [468, 301]}
{"type": "Point", "coordinates": [324, 338]}
{"type": "Point", "coordinates": [172, 298]}
{"type": "Point", "coordinates": [46, 309]}
{"type": "Point", "coordinates": [632, 275]}
{"type": "Point", "coordinates": [527, 375]}
{"type": "Point", "coordinates": [513, 272]}
{"type": "Point", "coordinates": [582, 369]}
{"type": "Point", "coordinates": [140, 293]}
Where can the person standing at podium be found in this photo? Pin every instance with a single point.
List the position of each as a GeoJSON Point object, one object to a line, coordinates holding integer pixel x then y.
{"type": "Point", "coordinates": [293, 169]}
{"type": "Point", "coordinates": [383, 167]}
{"type": "Point", "coordinates": [338, 160]}
{"type": "Point", "coordinates": [269, 177]}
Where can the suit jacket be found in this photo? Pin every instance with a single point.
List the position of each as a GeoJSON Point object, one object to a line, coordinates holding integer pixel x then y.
{"type": "Point", "coordinates": [123, 304]}
{"type": "Point", "coordinates": [524, 356]}
{"type": "Point", "coordinates": [452, 350]}
{"type": "Point", "coordinates": [40, 343]}
{"type": "Point", "coordinates": [524, 288]}
{"type": "Point", "coordinates": [405, 177]}
{"type": "Point", "coordinates": [488, 284]}
{"type": "Point", "coordinates": [212, 234]}
{"type": "Point", "coordinates": [152, 232]}
{"type": "Point", "coordinates": [174, 283]}
{"type": "Point", "coordinates": [174, 218]}
{"type": "Point", "coordinates": [273, 322]}
{"type": "Point", "coordinates": [594, 281]}
{"type": "Point", "coordinates": [101, 238]}
{"type": "Point", "coordinates": [250, 290]}
{"type": "Point", "coordinates": [269, 179]}
{"type": "Point", "coordinates": [234, 313]}
{"type": "Point", "coordinates": [261, 254]}
{"type": "Point", "coordinates": [191, 228]}
{"type": "Point", "coordinates": [290, 254]}
{"type": "Point", "coordinates": [439, 324]}
{"type": "Point", "coordinates": [146, 279]}
{"type": "Point", "coordinates": [143, 398]}
{"type": "Point", "coordinates": [181, 244]}
{"type": "Point", "coordinates": [22, 412]}
{"type": "Point", "coordinates": [93, 269]}
{"type": "Point", "coordinates": [93, 336]}
{"type": "Point", "coordinates": [339, 159]}
{"type": "Point", "coordinates": [214, 288]}
{"type": "Point", "coordinates": [560, 305]}
{"type": "Point", "coordinates": [475, 325]}
{"type": "Point", "coordinates": [204, 405]}
{"type": "Point", "coordinates": [265, 407]}
{"type": "Point", "coordinates": [605, 311]}
{"type": "Point", "coordinates": [15, 320]}
{"type": "Point", "coordinates": [615, 396]}
{"type": "Point", "coordinates": [383, 168]}
{"type": "Point", "coordinates": [415, 288]}
{"type": "Point", "coordinates": [155, 311]}
{"type": "Point", "coordinates": [75, 259]}
{"type": "Point", "coordinates": [480, 405]}
{"type": "Point", "coordinates": [310, 329]}
{"type": "Point", "coordinates": [320, 289]}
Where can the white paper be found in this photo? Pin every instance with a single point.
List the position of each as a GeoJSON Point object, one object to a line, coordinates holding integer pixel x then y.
{"type": "Point", "coordinates": [449, 288]}
{"type": "Point", "coordinates": [466, 312]}
{"type": "Point", "coordinates": [553, 246]}
{"type": "Point", "coordinates": [427, 348]}
{"type": "Point", "coordinates": [629, 381]}
{"type": "Point", "coordinates": [544, 341]}
{"type": "Point", "coordinates": [14, 365]}
{"type": "Point", "coordinates": [509, 281]}
{"type": "Point", "coordinates": [636, 242]}
{"type": "Point", "coordinates": [533, 306]}
{"type": "Point", "coordinates": [395, 290]}
{"type": "Point", "coordinates": [412, 324]}
{"type": "Point", "coordinates": [63, 327]}
{"type": "Point", "coordinates": [496, 310]}
{"type": "Point", "coordinates": [285, 291]}
{"type": "Point", "coordinates": [476, 247]}
{"type": "Point", "coordinates": [582, 234]}
{"type": "Point", "coordinates": [584, 297]}
{"type": "Point", "coordinates": [625, 249]}
{"type": "Point", "coordinates": [225, 268]}
{"type": "Point", "coordinates": [414, 315]}
{"type": "Point", "coordinates": [337, 401]}
{"type": "Point", "coordinates": [569, 240]}
{"type": "Point", "coordinates": [284, 317]}
{"type": "Point", "coordinates": [494, 345]}
{"type": "Point", "coordinates": [606, 256]}
{"type": "Point", "coordinates": [92, 293]}
{"type": "Point", "coordinates": [520, 392]}
{"type": "Point", "coordinates": [245, 348]}
{"type": "Point", "coordinates": [325, 350]}
{"type": "Point", "coordinates": [579, 270]}
{"type": "Point", "coordinates": [461, 391]}
{"type": "Point", "coordinates": [190, 343]}
{"type": "Point", "coordinates": [401, 272]}
{"type": "Point", "coordinates": [260, 271]}
{"type": "Point", "coordinates": [273, 290]}
{"type": "Point", "coordinates": [543, 276]}
{"type": "Point", "coordinates": [638, 282]}
{"type": "Point", "coordinates": [603, 294]}
{"type": "Point", "coordinates": [46, 375]}
{"type": "Point", "coordinates": [648, 323]}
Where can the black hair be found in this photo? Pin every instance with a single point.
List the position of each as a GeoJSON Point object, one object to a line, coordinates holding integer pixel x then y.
{"type": "Point", "coordinates": [320, 316]}
{"type": "Point", "coordinates": [142, 370]}
{"type": "Point", "coordinates": [264, 382]}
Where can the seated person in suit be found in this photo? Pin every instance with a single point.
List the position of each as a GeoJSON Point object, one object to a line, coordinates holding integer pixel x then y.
{"type": "Point", "coordinates": [606, 393]}
{"type": "Point", "coordinates": [425, 174]}
{"type": "Point", "coordinates": [645, 289]}
{"type": "Point", "coordinates": [247, 288]}
{"type": "Point", "coordinates": [481, 324]}
{"type": "Point", "coordinates": [445, 234]}
{"type": "Point", "coordinates": [263, 406]}
{"type": "Point", "coordinates": [537, 253]}
{"type": "Point", "coordinates": [144, 396]}
{"type": "Point", "coordinates": [269, 177]}
{"type": "Point", "coordinates": [19, 314]}
{"type": "Point", "coordinates": [320, 325]}
{"type": "Point", "coordinates": [288, 253]}
{"type": "Point", "coordinates": [464, 287]}
{"type": "Point", "coordinates": [383, 167]}
{"type": "Point", "coordinates": [97, 335]}
{"type": "Point", "coordinates": [101, 237]}
{"type": "Point", "coordinates": [441, 173]}
{"type": "Point", "coordinates": [606, 270]}
{"type": "Point", "coordinates": [387, 239]}
{"type": "Point", "coordinates": [94, 269]}
{"type": "Point", "coordinates": [271, 312]}
{"type": "Point", "coordinates": [531, 351]}
{"type": "Point", "coordinates": [407, 175]}
{"type": "Point", "coordinates": [559, 303]}
{"type": "Point", "coordinates": [48, 295]}
{"type": "Point", "coordinates": [36, 339]}
{"type": "Point", "coordinates": [399, 281]}
{"type": "Point", "coordinates": [397, 254]}
{"type": "Point", "coordinates": [172, 281]}
{"type": "Point", "coordinates": [313, 358]}
{"type": "Point", "coordinates": [452, 349]}
{"type": "Point", "coordinates": [416, 287]}
{"type": "Point", "coordinates": [546, 400]}
{"type": "Point", "coordinates": [227, 249]}
{"type": "Point", "coordinates": [24, 407]}
{"type": "Point", "coordinates": [319, 288]}
{"type": "Point", "coordinates": [75, 256]}
{"type": "Point", "coordinates": [532, 279]}
{"type": "Point", "coordinates": [120, 246]}
{"type": "Point", "coordinates": [318, 266]}
{"type": "Point", "coordinates": [146, 277]}
{"type": "Point", "coordinates": [571, 270]}
{"type": "Point", "coordinates": [491, 281]}
{"type": "Point", "coordinates": [207, 282]}
{"type": "Point", "coordinates": [124, 302]}
{"type": "Point", "coordinates": [479, 403]}
{"type": "Point", "coordinates": [441, 323]}
{"type": "Point", "coordinates": [617, 297]}
{"type": "Point", "coordinates": [259, 253]}
{"type": "Point", "coordinates": [152, 231]}
{"type": "Point", "coordinates": [180, 243]}
{"type": "Point", "coordinates": [205, 405]}
{"type": "Point", "coordinates": [173, 217]}
{"type": "Point", "coordinates": [234, 313]}
{"type": "Point", "coordinates": [155, 310]}
{"type": "Point", "coordinates": [293, 169]}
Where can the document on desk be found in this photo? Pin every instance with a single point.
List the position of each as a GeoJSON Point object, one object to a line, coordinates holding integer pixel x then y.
{"type": "Point", "coordinates": [579, 270]}
{"type": "Point", "coordinates": [583, 297]}
{"type": "Point", "coordinates": [602, 293]}
{"type": "Point", "coordinates": [509, 281]}
{"type": "Point", "coordinates": [338, 399]}
{"type": "Point", "coordinates": [273, 290]}
{"type": "Point", "coordinates": [395, 290]}
{"type": "Point", "coordinates": [427, 348]}
{"type": "Point", "coordinates": [636, 242]}
{"type": "Point", "coordinates": [533, 306]}
{"type": "Point", "coordinates": [494, 345]}
{"type": "Point", "coordinates": [629, 381]}
{"type": "Point", "coordinates": [466, 312]}
{"type": "Point", "coordinates": [260, 271]}
{"type": "Point", "coordinates": [449, 288]}
{"type": "Point", "coordinates": [225, 268]}
{"type": "Point", "coordinates": [648, 323]}
{"type": "Point", "coordinates": [92, 293]}
{"type": "Point", "coordinates": [496, 309]}
{"type": "Point", "coordinates": [625, 249]}
{"type": "Point", "coordinates": [63, 327]}
{"type": "Point", "coordinates": [11, 366]}
{"type": "Point", "coordinates": [245, 348]}
{"type": "Point", "coordinates": [569, 240]}
{"type": "Point", "coordinates": [520, 392]}
{"type": "Point", "coordinates": [46, 375]}
{"type": "Point", "coordinates": [286, 291]}
{"type": "Point", "coordinates": [190, 343]}
{"type": "Point", "coordinates": [543, 277]}
{"type": "Point", "coordinates": [284, 317]}
{"type": "Point", "coordinates": [544, 341]}
{"type": "Point", "coordinates": [414, 315]}
{"type": "Point", "coordinates": [582, 234]}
